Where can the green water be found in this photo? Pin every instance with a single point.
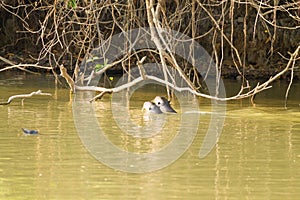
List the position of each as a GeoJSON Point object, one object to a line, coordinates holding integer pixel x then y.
{"type": "Point", "coordinates": [257, 155]}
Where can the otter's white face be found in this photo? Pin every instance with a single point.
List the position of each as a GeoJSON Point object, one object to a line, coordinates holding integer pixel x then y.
{"type": "Point", "coordinates": [163, 104]}
{"type": "Point", "coordinates": [150, 107]}
{"type": "Point", "coordinates": [160, 101]}
{"type": "Point", "coordinates": [147, 106]}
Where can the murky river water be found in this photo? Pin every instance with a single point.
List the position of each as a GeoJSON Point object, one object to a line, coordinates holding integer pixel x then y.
{"type": "Point", "coordinates": [257, 155]}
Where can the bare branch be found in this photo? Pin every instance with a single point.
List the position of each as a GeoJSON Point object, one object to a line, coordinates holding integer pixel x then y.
{"type": "Point", "coordinates": [22, 96]}
{"type": "Point", "coordinates": [20, 66]}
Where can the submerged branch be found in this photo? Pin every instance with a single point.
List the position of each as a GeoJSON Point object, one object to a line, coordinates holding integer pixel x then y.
{"type": "Point", "coordinates": [103, 90]}
{"type": "Point", "coordinates": [292, 63]}
{"type": "Point", "coordinates": [39, 92]}
{"type": "Point", "coordinates": [70, 81]}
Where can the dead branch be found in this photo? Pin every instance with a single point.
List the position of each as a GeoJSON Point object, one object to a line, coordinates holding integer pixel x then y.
{"type": "Point", "coordinates": [70, 81]}
{"type": "Point", "coordinates": [20, 66]}
{"type": "Point", "coordinates": [158, 39]}
{"type": "Point", "coordinates": [291, 65]}
{"type": "Point", "coordinates": [153, 23]}
{"type": "Point", "coordinates": [22, 96]}
{"type": "Point", "coordinates": [103, 91]}
{"type": "Point", "coordinates": [241, 94]}
{"type": "Point", "coordinates": [140, 66]}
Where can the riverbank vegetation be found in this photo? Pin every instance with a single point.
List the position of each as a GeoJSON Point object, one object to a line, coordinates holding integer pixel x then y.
{"type": "Point", "coordinates": [246, 39]}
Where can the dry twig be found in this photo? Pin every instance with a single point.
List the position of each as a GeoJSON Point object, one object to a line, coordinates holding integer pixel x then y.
{"type": "Point", "coordinates": [22, 96]}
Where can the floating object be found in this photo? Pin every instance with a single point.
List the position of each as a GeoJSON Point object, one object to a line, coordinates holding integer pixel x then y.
{"type": "Point", "coordinates": [163, 104]}
{"type": "Point", "coordinates": [29, 132]}
{"type": "Point", "coordinates": [150, 107]}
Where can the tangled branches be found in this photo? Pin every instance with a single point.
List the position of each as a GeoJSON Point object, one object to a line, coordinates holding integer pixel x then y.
{"type": "Point", "coordinates": [244, 38]}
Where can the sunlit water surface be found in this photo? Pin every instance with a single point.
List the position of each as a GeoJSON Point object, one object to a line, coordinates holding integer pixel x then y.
{"type": "Point", "coordinates": [256, 157]}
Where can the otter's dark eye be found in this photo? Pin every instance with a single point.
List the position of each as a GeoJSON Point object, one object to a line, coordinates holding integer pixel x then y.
{"type": "Point", "coordinates": [149, 108]}
{"type": "Point", "coordinates": [158, 103]}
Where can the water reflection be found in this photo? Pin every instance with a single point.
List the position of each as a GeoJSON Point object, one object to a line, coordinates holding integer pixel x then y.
{"type": "Point", "coordinates": [121, 144]}
{"type": "Point", "coordinates": [257, 156]}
